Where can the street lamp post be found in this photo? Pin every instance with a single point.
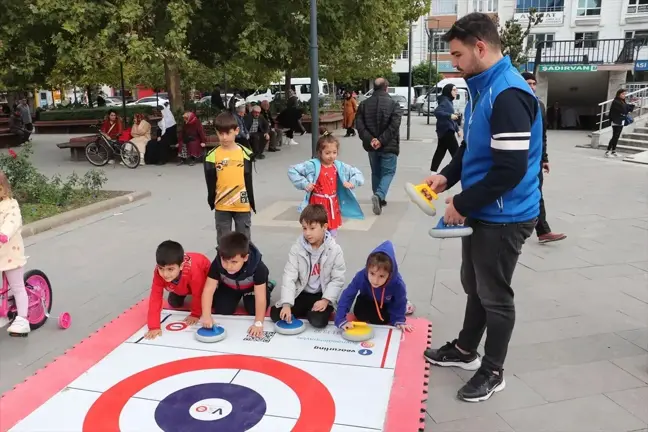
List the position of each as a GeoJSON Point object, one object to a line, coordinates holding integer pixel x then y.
{"type": "Point", "coordinates": [314, 63]}
{"type": "Point", "coordinates": [409, 84]}
{"type": "Point", "coordinates": [432, 37]}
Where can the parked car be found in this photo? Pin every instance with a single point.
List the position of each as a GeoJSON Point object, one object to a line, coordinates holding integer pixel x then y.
{"type": "Point", "coordinates": [152, 100]}
{"type": "Point", "coordinates": [402, 101]}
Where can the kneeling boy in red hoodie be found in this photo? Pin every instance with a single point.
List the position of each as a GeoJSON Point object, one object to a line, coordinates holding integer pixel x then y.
{"type": "Point", "coordinates": [181, 275]}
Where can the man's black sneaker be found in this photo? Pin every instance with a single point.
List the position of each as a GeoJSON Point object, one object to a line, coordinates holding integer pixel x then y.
{"type": "Point", "coordinates": [375, 202]}
{"type": "Point", "coordinates": [383, 203]}
{"type": "Point", "coordinates": [482, 386]}
{"type": "Point", "coordinates": [448, 355]}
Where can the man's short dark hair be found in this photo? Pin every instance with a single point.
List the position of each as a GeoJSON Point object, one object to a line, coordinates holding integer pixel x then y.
{"type": "Point", "coordinates": [529, 76]}
{"type": "Point", "coordinates": [381, 84]}
{"type": "Point", "coordinates": [314, 213]}
{"type": "Point", "coordinates": [472, 28]}
{"type": "Point", "coordinates": [169, 252]}
{"type": "Point", "coordinates": [225, 122]}
{"type": "Point", "coordinates": [381, 261]}
{"type": "Point", "coordinates": [233, 244]}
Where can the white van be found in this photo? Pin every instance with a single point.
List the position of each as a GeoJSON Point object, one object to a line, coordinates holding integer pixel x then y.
{"type": "Point", "coordinates": [301, 87]}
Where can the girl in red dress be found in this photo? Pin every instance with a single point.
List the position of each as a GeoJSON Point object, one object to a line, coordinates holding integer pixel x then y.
{"type": "Point", "coordinates": [324, 178]}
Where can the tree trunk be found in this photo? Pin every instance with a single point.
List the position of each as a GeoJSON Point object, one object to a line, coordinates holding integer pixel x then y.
{"type": "Point", "coordinates": [287, 84]}
{"type": "Point", "coordinates": [89, 91]}
{"type": "Point", "coordinates": [172, 78]}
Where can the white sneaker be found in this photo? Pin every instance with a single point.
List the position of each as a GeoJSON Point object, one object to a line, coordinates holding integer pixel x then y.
{"type": "Point", "coordinates": [293, 142]}
{"type": "Point", "coordinates": [19, 326]}
{"type": "Point", "coordinates": [614, 154]}
{"type": "Point", "coordinates": [4, 321]}
{"type": "Point", "coordinates": [607, 154]}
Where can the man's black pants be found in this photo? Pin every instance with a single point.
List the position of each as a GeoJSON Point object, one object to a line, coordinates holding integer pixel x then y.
{"type": "Point", "coordinates": [542, 227]}
{"type": "Point", "coordinates": [489, 257]}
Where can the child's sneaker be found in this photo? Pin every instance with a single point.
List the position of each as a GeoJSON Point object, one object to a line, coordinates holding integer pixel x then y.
{"type": "Point", "coordinates": [20, 327]}
{"type": "Point", "coordinates": [607, 154]}
{"type": "Point", "coordinates": [4, 321]}
{"type": "Point", "coordinates": [448, 355]}
{"type": "Point", "coordinates": [614, 154]}
{"type": "Point", "coordinates": [410, 308]}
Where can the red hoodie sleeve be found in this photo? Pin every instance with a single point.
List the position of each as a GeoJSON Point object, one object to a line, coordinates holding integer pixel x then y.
{"type": "Point", "coordinates": [155, 303]}
{"type": "Point", "coordinates": [198, 277]}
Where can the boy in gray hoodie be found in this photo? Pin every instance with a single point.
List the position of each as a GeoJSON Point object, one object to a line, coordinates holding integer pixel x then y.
{"type": "Point", "coordinates": [314, 274]}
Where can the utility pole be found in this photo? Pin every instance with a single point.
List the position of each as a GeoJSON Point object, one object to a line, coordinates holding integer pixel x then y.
{"type": "Point", "coordinates": [409, 85]}
{"type": "Point", "coordinates": [314, 63]}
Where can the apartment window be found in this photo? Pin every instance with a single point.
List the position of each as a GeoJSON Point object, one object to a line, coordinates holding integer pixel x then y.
{"type": "Point", "coordinates": [485, 6]}
{"type": "Point", "coordinates": [637, 6]}
{"type": "Point", "coordinates": [586, 40]}
{"type": "Point", "coordinates": [438, 44]}
{"type": "Point", "coordinates": [641, 35]}
{"type": "Point", "coordinates": [522, 6]}
{"type": "Point", "coordinates": [404, 55]}
{"type": "Point", "coordinates": [588, 8]}
{"type": "Point", "coordinates": [444, 7]}
{"type": "Point", "coordinates": [534, 38]}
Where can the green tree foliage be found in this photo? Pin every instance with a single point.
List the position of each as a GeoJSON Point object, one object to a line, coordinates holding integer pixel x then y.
{"type": "Point", "coordinates": [513, 36]}
{"type": "Point", "coordinates": [421, 74]}
{"type": "Point", "coordinates": [26, 52]}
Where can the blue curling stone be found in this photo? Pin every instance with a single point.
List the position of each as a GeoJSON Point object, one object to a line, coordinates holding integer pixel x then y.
{"type": "Point", "coordinates": [296, 326]}
{"type": "Point", "coordinates": [210, 335]}
{"type": "Point", "coordinates": [449, 231]}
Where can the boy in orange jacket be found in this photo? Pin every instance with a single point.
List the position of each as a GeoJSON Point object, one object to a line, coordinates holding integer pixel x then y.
{"type": "Point", "coordinates": [181, 275]}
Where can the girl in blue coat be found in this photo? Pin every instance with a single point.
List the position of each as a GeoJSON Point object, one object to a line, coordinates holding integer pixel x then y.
{"type": "Point", "coordinates": [329, 182]}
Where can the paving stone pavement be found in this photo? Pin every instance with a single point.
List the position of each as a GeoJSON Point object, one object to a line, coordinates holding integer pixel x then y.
{"type": "Point", "coordinates": [578, 359]}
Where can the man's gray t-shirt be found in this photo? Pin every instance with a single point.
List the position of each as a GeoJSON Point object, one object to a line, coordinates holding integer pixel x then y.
{"type": "Point", "coordinates": [25, 114]}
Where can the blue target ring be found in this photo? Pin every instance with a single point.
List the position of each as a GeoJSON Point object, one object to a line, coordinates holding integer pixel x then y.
{"type": "Point", "coordinates": [179, 410]}
{"type": "Point", "coordinates": [295, 324]}
{"type": "Point", "coordinates": [211, 332]}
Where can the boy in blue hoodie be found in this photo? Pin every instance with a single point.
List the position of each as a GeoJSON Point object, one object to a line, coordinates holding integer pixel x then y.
{"type": "Point", "coordinates": [378, 290]}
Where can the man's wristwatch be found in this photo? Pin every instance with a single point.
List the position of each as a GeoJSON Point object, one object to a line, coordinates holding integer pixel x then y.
{"type": "Point", "coordinates": [258, 324]}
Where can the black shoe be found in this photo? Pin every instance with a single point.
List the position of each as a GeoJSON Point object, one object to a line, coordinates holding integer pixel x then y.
{"type": "Point", "coordinates": [448, 355]}
{"type": "Point", "coordinates": [274, 150]}
{"type": "Point", "coordinates": [261, 156]}
{"type": "Point", "coordinates": [482, 386]}
{"type": "Point", "coordinates": [181, 162]}
{"type": "Point", "coordinates": [192, 161]}
{"type": "Point", "coordinates": [383, 203]}
{"type": "Point", "coordinates": [375, 202]}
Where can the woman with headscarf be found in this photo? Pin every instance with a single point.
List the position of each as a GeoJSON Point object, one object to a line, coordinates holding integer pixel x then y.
{"type": "Point", "coordinates": [157, 150]}
{"type": "Point", "coordinates": [141, 134]}
{"type": "Point", "coordinates": [349, 108]}
{"type": "Point", "coordinates": [193, 139]}
{"type": "Point", "coordinates": [446, 126]}
{"type": "Point", "coordinates": [290, 118]}
{"type": "Point", "coordinates": [618, 115]}
{"type": "Point", "coordinates": [170, 125]}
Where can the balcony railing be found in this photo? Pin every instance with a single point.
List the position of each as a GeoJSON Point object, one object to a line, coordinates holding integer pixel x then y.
{"type": "Point", "coordinates": [589, 51]}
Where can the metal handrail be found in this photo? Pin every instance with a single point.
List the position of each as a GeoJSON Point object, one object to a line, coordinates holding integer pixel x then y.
{"type": "Point", "coordinates": [638, 98]}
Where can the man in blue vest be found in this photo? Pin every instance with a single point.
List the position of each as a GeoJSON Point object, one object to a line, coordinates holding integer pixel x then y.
{"type": "Point", "coordinates": [498, 165]}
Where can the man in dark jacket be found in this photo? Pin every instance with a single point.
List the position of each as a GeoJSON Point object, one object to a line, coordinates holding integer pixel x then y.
{"type": "Point", "coordinates": [217, 100]}
{"type": "Point", "coordinates": [543, 231]}
{"type": "Point", "coordinates": [378, 122]}
{"type": "Point", "coordinates": [259, 130]}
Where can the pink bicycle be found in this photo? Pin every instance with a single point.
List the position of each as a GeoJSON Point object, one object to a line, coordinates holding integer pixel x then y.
{"type": "Point", "coordinates": [39, 293]}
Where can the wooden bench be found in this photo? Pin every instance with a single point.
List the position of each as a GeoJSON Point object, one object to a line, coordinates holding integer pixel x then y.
{"type": "Point", "coordinates": [65, 126]}
{"type": "Point", "coordinates": [9, 139]}
{"type": "Point", "coordinates": [77, 146]}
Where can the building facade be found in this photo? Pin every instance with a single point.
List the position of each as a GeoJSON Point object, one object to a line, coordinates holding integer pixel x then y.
{"type": "Point", "coordinates": [587, 48]}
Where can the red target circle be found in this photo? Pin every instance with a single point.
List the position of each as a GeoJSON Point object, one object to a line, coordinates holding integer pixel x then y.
{"type": "Point", "coordinates": [317, 405]}
{"type": "Point", "coordinates": [176, 326]}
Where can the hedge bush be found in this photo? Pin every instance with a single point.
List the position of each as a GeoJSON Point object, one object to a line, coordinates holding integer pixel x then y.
{"type": "Point", "coordinates": [92, 113]}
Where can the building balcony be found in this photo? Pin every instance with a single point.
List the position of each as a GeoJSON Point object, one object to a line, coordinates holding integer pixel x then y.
{"type": "Point", "coordinates": [589, 51]}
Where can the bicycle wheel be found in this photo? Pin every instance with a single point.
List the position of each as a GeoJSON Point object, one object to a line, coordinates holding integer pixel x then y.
{"type": "Point", "coordinates": [39, 293]}
{"type": "Point", "coordinates": [97, 152]}
{"type": "Point", "coordinates": [130, 155]}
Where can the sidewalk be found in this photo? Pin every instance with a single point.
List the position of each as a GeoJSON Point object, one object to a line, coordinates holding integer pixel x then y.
{"type": "Point", "coordinates": [578, 359]}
